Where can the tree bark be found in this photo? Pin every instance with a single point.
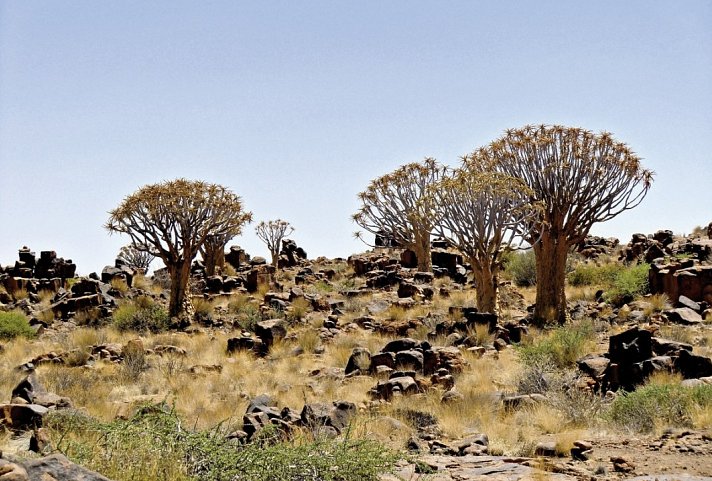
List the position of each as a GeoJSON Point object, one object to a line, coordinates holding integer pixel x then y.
{"type": "Point", "coordinates": [486, 287]}
{"type": "Point", "coordinates": [180, 274]}
{"type": "Point", "coordinates": [421, 247]}
{"type": "Point", "coordinates": [214, 258]}
{"type": "Point", "coordinates": [551, 252]}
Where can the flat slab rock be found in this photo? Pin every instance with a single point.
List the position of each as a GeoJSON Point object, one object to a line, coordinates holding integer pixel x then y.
{"type": "Point", "coordinates": [474, 468]}
{"type": "Point", "coordinates": [50, 468]}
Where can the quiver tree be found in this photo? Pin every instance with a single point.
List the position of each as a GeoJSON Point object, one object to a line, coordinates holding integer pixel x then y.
{"type": "Point", "coordinates": [580, 178]}
{"type": "Point", "coordinates": [213, 253]}
{"type": "Point", "coordinates": [398, 206]}
{"type": "Point", "coordinates": [479, 213]}
{"type": "Point", "coordinates": [135, 258]}
{"type": "Point", "coordinates": [272, 233]}
{"type": "Point", "coordinates": [172, 220]}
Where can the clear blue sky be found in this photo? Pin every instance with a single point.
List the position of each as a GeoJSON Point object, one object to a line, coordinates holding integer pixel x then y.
{"type": "Point", "coordinates": [295, 106]}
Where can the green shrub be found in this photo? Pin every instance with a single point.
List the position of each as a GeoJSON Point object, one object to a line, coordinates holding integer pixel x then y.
{"type": "Point", "coordinates": [586, 274]}
{"type": "Point", "coordinates": [561, 348]}
{"type": "Point", "coordinates": [155, 445]}
{"type": "Point", "coordinates": [141, 316]}
{"type": "Point", "coordinates": [521, 268]}
{"type": "Point", "coordinates": [14, 324]}
{"type": "Point", "coordinates": [659, 405]}
{"type": "Point", "coordinates": [629, 283]}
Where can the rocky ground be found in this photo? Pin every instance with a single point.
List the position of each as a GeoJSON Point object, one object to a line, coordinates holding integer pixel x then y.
{"type": "Point", "coordinates": [325, 345]}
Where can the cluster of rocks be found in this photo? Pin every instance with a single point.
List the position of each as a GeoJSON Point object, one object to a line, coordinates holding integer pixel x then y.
{"type": "Point", "coordinates": [109, 352]}
{"type": "Point", "coordinates": [635, 354]}
{"type": "Point", "coordinates": [382, 270]}
{"type": "Point", "coordinates": [663, 244]}
{"type": "Point", "coordinates": [31, 275]}
{"type": "Point", "coordinates": [681, 278]}
{"type": "Point", "coordinates": [291, 254]}
{"type": "Point", "coordinates": [411, 366]}
{"type": "Point", "coordinates": [30, 402]}
{"type": "Point", "coordinates": [48, 266]}
{"type": "Point", "coordinates": [266, 334]}
{"type": "Point", "coordinates": [593, 247]}
{"type": "Point", "coordinates": [322, 419]}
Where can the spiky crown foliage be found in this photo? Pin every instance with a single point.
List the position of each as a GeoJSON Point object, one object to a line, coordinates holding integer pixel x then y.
{"type": "Point", "coordinates": [480, 211]}
{"type": "Point", "coordinates": [397, 203]}
{"type": "Point", "coordinates": [272, 232]}
{"type": "Point", "coordinates": [173, 219]}
{"type": "Point", "coordinates": [136, 258]}
{"type": "Point", "coordinates": [581, 178]}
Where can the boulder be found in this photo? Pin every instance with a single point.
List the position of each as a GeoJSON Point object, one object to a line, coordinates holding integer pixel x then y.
{"type": "Point", "coordinates": [271, 331]}
{"type": "Point", "coordinates": [360, 360]}
{"type": "Point", "coordinates": [682, 315]}
{"type": "Point", "coordinates": [22, 416]}
{"type": "Point", "coordinates": [336, 415]}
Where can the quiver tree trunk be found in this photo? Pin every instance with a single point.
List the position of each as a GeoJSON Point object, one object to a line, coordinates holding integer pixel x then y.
{"type": "Point", "coordinates": [214, 257]}
{"type": "Point", "coordinates": [421, 247]}
{"type": "Point", "coordinates": [486, 287]}
{"type": "Point", "coordinates": [551, 253]}
{"type": "Point", "coordinates": [180, 276]}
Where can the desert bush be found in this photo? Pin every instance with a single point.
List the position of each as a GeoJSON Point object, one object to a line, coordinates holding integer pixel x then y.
{"type": "Point", "coordinates": [521, 268]}
{"type": "Point", "coordinates": [562, 347]}
{"type": "Point", "coordinates": [15, 324]}
{"type": "Point", "coordinates": [155, 445]}
{"type": "Point", "coordinates": [142, 315]}
{"type": "Point", "coordinates": [658, 405]}
{"type": "Point", "coordinates": [204, 310]}
{"type": "Point", "coordinates": [120, 286]}
{"type": "Point", "coordinates": [629, 283]}
{"type": "Point", "coordinates": [298, 309]}
{"type": "Point", "coordinates": [247, 312]}
{"type": "Point", "coordinates": [587, 274]}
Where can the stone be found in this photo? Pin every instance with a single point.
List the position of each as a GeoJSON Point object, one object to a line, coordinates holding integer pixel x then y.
{"type": "Point", "coordinates": [412, 359]}
{"type": "Point", "coordinates": [683, 315]}
{"type": "Point", "coordinates": [336, 415]}
{"type": "Point", "coordinates": [360, 360]}
{"type": "Point", "coordinates": [685, 301]}
{"type": "Point", "coordinates": [692, 366]}
{"type": "Point", "coordinates": [631, 346]}
{"type": "Point", "coordinates": [545, 448]}
{"type": "Point", "coordinates": [404, 344]}
{"type": "Point", "coordinates": [382, 359]}
{"type": "Point", "coordinates": [22, 416]}
{"type": "Point", "coordinates": [242, 343]}
{"type": "Point", "coordinates": [271, 331]}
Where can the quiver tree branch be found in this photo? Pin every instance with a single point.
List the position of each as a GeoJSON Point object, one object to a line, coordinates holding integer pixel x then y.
{"type": "Point", "coordinates": [397, 204]}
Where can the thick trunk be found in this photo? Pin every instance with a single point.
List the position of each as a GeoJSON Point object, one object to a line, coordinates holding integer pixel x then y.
{"type": "Point", "coordinates": [180, 275]}
{"type": "Point", "coordinates": [421, 248]}
{"type": "Point", "coordinates": [551, 255]}
{"type": "Point", "coordinates": [486, 286]}
{"type": "Point", "coordinates": [275, 258]}
{"type": "Point", "coordinates": [214, 258]}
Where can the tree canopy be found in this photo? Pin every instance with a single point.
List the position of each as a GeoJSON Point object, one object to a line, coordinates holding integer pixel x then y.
{"type": "Point", "coordinates": [397, 205]}
{"type": "Point", "coordinates": [580, 178]}
{"type": "Point", "coordinates": [173, 219]}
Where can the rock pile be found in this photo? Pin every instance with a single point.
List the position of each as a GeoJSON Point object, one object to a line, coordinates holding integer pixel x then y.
{"type": "Point", "coordinates": [635, 354]}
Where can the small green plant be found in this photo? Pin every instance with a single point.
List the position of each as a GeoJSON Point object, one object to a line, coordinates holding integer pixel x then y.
{"type": "Point", "coordinates": [142, 315]}
{"type": "Point", "coordinates": [156, 445]}
{"type": "Point", "coordinates": [521, 267]}
{"type": "Point", "coordinates": [246, 311]}
{"type": "Point", "coordinates": [629, 283]}
{"type": "Point", "coordinates": [15, 324]}
{"type": "Point", "coordinates": [562, 347]}
{"type": "Point", "coordinates": [655, 406]}
{"type": "Point", "coordinates": [587, 274]}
